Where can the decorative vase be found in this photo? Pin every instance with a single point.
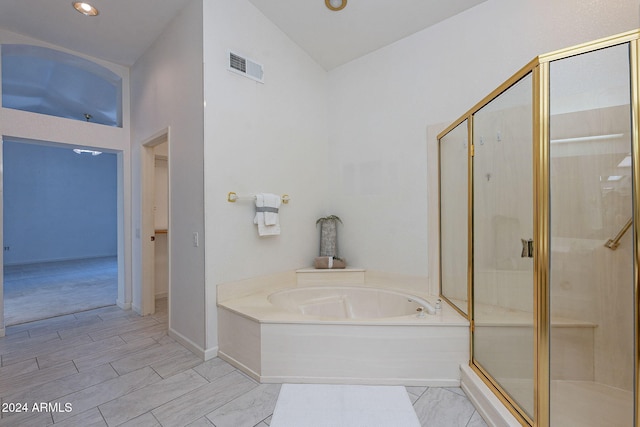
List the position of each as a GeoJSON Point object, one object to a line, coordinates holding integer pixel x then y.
{"type": "Point", "coordinates": [329, 238]}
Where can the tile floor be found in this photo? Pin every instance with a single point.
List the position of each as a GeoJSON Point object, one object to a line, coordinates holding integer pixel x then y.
{"type": "Point", "coordinates": [108, 367]}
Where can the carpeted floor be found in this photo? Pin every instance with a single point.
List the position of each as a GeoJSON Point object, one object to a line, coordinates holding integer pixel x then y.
{"type": "Point", "coordinates": [44, 290]}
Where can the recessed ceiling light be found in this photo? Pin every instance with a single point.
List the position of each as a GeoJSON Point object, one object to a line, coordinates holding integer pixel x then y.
{"type": "Point", "coordinates": [85, 8]}
{"type": "Point", "coordinates": [335, 5]}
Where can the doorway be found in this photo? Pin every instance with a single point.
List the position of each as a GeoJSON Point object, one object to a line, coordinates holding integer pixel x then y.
{"type": "Point", "coordinates": [155, 223]}
{"type": "Point", "coordinates": [60, 233]}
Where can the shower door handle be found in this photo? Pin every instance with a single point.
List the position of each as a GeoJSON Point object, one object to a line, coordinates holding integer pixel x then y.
{"type": "Point", "coordinates": [527, 248]}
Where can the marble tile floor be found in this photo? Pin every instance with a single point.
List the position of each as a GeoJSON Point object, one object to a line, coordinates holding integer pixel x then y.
{"type": "Point", "coordinates": [43, 290]}
{"type": "Point", "coordinates": [108, 367]}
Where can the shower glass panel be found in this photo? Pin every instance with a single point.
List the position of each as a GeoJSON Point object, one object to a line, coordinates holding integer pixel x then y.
{"type": "Point", "coordinates": [454, 217]}
{"type": "Point", "coordinates": [503, 339]}
{"type": "Point", "coordinates": [591, 265]}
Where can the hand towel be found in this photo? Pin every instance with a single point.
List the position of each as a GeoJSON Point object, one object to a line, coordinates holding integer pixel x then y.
{"type": "Point", "coordinates": [267, 203]}
{"type": "Point", "coordinates": [272, 205]}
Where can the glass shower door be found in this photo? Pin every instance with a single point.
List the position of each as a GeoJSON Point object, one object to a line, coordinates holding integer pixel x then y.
{"type": "Point", "coordinates": [591, 265]}
{"type": "Point", "coordinates": [454, 216]}
{"type": "Point", "coordinates": [503, 337]}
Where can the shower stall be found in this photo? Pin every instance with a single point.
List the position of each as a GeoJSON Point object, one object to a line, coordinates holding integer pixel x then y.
{"type": "Point", "coordinates": [539, 213]}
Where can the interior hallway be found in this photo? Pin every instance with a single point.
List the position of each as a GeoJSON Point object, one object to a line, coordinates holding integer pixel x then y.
{"type": "Point", "coordinates": [44, 290]}
{"type": "Point", "coordinates": [117, 368]}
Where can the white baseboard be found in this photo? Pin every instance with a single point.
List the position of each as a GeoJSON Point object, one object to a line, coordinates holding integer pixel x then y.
{"type": "Point", "coordinates": [137, 309]}
{"type": "Point", "coordinates": [193, 347]}
{"type": "Point", "coordinates": [210, 353]}
{"type": "Point", "coordinates": [487, 404]}
{"type": "Point", "coordinates": [244, 368]}
{"type": "Point", "coordinates": [123, 305]}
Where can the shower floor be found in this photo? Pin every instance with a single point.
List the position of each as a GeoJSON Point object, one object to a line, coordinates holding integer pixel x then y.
{"type": "Point", "coordinates": [590, 404]}
{"type": "Point", "coordinates": [580, 403]}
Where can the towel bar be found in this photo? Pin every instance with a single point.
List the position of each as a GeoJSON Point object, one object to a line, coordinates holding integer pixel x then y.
{"type": "Point", "coordinates": [233, 197]}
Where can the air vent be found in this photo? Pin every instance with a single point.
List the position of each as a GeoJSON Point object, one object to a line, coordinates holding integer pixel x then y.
{"type": "Point", "coordinates": [246, 67]}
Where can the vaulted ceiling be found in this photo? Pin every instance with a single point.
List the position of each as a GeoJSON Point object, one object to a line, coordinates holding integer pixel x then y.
{"type": "Point", "coordinates": [43, 81]}
{"type": "Point", "coordinates": [124, 29]}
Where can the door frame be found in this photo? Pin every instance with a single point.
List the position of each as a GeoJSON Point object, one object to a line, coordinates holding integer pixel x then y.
{"type": "Point", "coordinates": [147, 220]}
{"type": "Point", "coordinates": [123, 298]}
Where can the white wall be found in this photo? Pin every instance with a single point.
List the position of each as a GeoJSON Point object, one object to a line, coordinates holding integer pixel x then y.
{"type": "Point", "coordinates": [37, 127]}
{"type": "Point", "coordinates": [382, 104]}
{"type": "Point", "coordinates": [269, 137]}
{"type": "Point", "coordinates": [166, 91]}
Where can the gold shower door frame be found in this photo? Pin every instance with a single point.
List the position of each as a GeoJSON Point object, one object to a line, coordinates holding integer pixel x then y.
{"type": "Point", "coordinates": [539, 68]}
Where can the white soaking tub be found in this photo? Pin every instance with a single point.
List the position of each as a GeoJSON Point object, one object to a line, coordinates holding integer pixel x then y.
{"type": "Point", "coordinates": [348, 333]}
{"type": "Point", "coordinates": [349, 302]}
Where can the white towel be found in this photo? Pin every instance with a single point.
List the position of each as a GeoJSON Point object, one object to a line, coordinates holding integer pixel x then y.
{"type": "Point", "coordinates": [272, 201]}
{"type": "Point", "coordinates": [267, 217]}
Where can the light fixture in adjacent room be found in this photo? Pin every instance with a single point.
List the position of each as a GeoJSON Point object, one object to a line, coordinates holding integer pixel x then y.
{"type": "Point", "coordinates": [588, 138]}
{"type": "Point", "coordinates": [92, 152]}
{"type": "Point", "coordinates": [335, 5]}
{"type": "Point", "coordinates": [626, 162]}
{"type": "Point", "coordinates": [85, 8]}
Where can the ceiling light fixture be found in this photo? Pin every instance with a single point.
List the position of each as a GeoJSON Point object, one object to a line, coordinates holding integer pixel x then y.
{"type": "Point", "coordinates": [588, 138]}
{"type": "Point", "coordinates": [85, 8]}
{"type": "Point", "coordinates": [335, 5]}
{"type": "Point", "coordinates": [92, 152]}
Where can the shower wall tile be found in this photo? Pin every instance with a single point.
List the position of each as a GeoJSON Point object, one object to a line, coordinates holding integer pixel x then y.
{"type": "Point", "coordinates": [573, 353]}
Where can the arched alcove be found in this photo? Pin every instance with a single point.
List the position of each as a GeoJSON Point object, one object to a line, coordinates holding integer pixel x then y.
{"type": "Point", "coordinates": [47, 81]}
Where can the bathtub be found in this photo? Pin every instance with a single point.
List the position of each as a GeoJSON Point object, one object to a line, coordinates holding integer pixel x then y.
{"type": "Point", "coordinates": [350, 302]}
{"type": "Point", "coordinates": [343, 334]}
